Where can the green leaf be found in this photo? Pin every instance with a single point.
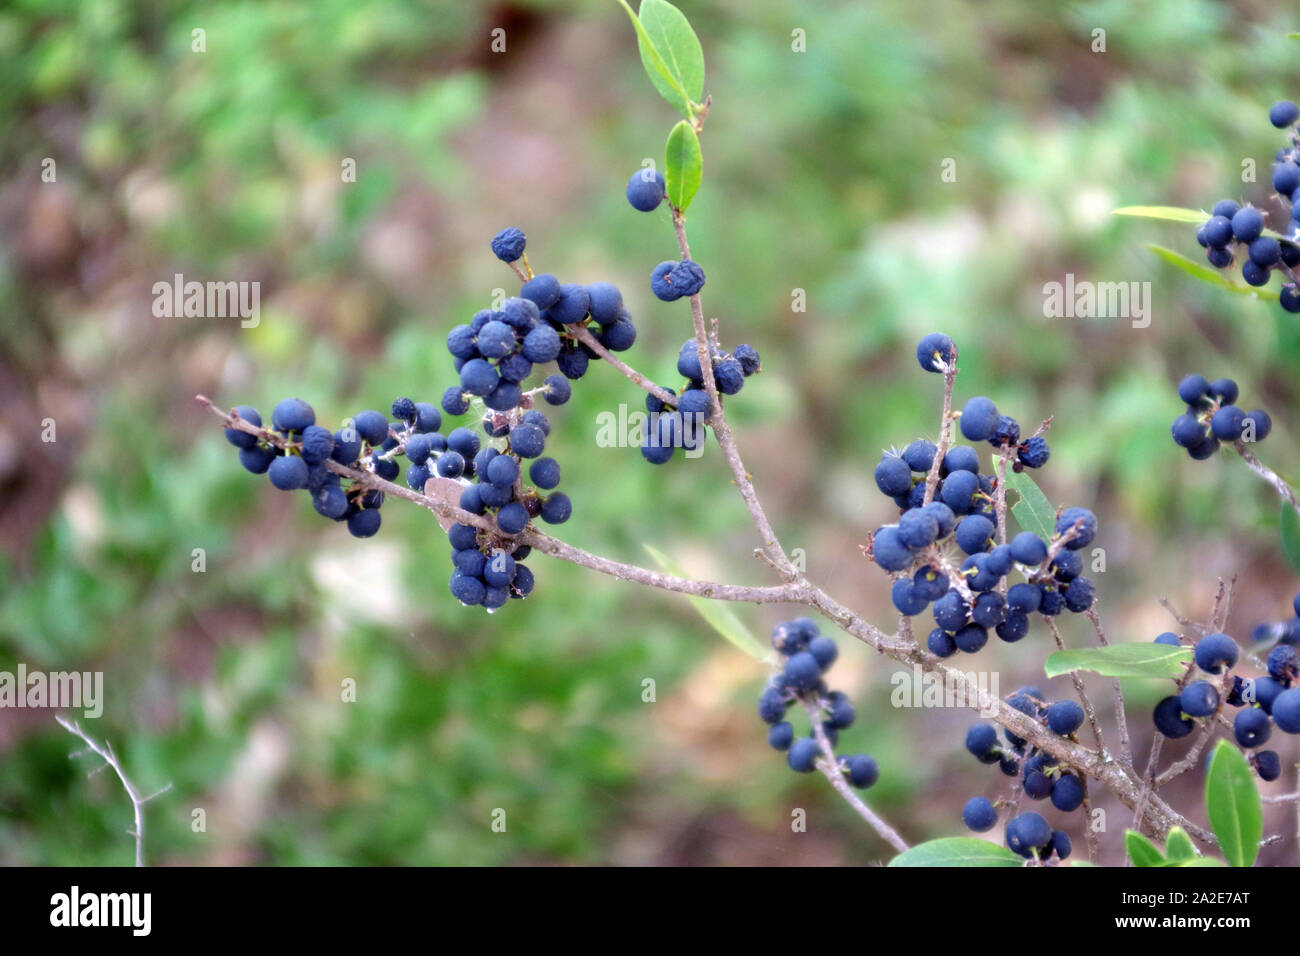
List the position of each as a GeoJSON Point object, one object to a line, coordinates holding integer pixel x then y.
{"type": "Point", "coordinates": [1178, 846]}
{"type": "Point", "coordinates": [1146, 659]}
{"type": "Point", "coordinates": [664, 80]}
{"type": "Point", "coordinates": [1288, 525]}
{"type": "Point", "coordinates": [1200, 861]}
{"type": "Point", "coordinates": [677, 44]}
{"type": "Point", "coordinates": [1232, 803]}
{"type": "Point", "coordinates": [1033, 511]}
{"type": "Point", "coordinates": [957, 851]}
{"type": "Point", "coordinates": [719, 616]}
{"type": "Point", "coordinates": [1168, 213]}
{"type": "Point", "coordinates": [1204, 273]}
{"type": "Point", "coordinates": [683, 165]}
{"type": "Point", "coordinates": [1141, 850]}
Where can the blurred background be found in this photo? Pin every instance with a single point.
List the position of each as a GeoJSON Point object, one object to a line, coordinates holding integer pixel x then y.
{"type": "Point", "coordinates": [822, 174]}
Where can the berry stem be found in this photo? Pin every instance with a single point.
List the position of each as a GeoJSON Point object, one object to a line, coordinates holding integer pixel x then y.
{"type": "Point", "coordinates": [945, 429]}
{"type": "Point", "coordinates": [106, 754]}
{"type": "Point", "coordinates": [718, 419]}
{"type": "Point", "coordinates": [583, 335]}
{"type": "Point", "coordinates": [1267, 473]}
{"type": "Point", "coordinates": [830, 769]}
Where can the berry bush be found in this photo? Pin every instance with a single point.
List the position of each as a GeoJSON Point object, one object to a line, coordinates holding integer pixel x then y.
{"type": "Point", "coordinates": [976, 550]}
{"type": "Point", "coordinates": [966, 548]}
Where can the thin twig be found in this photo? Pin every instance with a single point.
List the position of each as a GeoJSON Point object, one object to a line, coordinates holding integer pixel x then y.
{"type": "Point", "coordinates": [1121, 712]}
{"type": "Point", "coordinates": [1267, 473]}
{"type": "Point", "coordinates": [106, 754]}
{"type": "Point", "coordinates": [830, 769]}
{"type": "Point", "coordinates": [583, 335]}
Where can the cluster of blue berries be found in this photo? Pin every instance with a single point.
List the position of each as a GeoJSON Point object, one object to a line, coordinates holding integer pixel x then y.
{"type": "Point", "coordinates": [668, 429]}
{"type": "Point", "coordinates": [980, 420]}
{"type": "Point", "coordinates": [971, 599]}
{"type": "Point", "coordinates": [1212, 417]}
{"type": "Point", "coordinates": [1264, 701]}
{"type": "Point", "coordinates": [1233, 227]}
{"type": "Point", "coordinates": [296, 453]}
{"type": "Point", "coordinates": [807, 655]}
{"type": "Point", "coordinates": [1041, 776]}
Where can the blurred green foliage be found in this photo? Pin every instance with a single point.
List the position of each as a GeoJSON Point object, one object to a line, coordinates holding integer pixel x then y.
{"type": "Point", "coordinates": [821, 174]}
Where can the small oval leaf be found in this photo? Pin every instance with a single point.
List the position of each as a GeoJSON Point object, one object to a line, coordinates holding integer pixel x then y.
{"type": "Point", "coordinates": [1233, 805]}
{"type": "Point", "coordinates": [1146, 659]}
{"type": "Point", "coordinates": [716, 614]}
{"type": "Point", "coordinates": [1167, 213]}
{"type": "Point", "coordinates": [1032, 510]}
{"type": "Point", "coordinates": [683, 165]}
{"type": "Point", "coordinates": [1178, 846]}
{"type": "Point", "coordinates": [1141, 850]}
{"type": "Point", "coordinates": [663, 79]}
{"type": "Point", "coordinates": [677, 44]}
{"type": "Point", "coordinates": [957, 851]}
{"type": "Point", "coordinates": [1204, 273]}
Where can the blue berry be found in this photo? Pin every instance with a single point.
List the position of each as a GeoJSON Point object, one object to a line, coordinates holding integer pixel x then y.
{"type": "Point", "coordinates": [330, 501]}
{"type": "Point", "coordinates": [1193, 388]}
{"type": "Point", "coordinates": [893, 476]}
{"type": "Point", "coordinates": [478, 377]}
{"type": "Point", "coordinates": [1014, 627]}
{"type": "Point", "coordinates": [508, 244]}
{"type": "Point", "coordinates": [1079, 595]}
{"type": "Point", "coordinates": [888, 549]}
{"type": "Point", "coordinates": [979, 815]}
{"type": "Point", "coordinates": [974, 534]}
{"type": "Point", "coordinates": [1247, 224]}
{"type": "Point", "coordinates": [1219, 258]}
{"type": "Point", "coordinates": [687, 277]}
{"type": "Point", "coordinates": [1060, 844]}
{"type": "Point", "coordinates": [1028, 548]}
{"type": "Point", "coordinates": [930, 583]}
{"type": "Point", "coordinates": [288, 473]}
{"type": "Point", "coordinates": [1283, 113]}
{"type": "Point", "coordinates": [1251, 727]}
{"type": "Point", "coordinates": [842, 713]}
{"type": "Point", "coordinates": [364, 523]}
{"type": "Point", "coordinates": [960, 458]}
{"type": "Point", "coordinates": [1199, 699]}
{"type": "Point", "coordinates": [1218, 231]}
{"type": "Point", "coordinates": [1028, 833]}
{"type": "Point", "coordinates": [1187, 431]}
{"type": "Point", "coordinates": [527, 440]}
{"type": "Point", "coordinates": [1007, 432]}
{"type": "Point", "coordinates": [802, 672]}
{"type": "Point", "coordinates": [1214, 651]}
{"type": "Point", "coordinates": [512, 518]}
{"type": "Point", "coordinates": [950, 611]}
{"type": "Point", "coordinates": [1225, 207]}
{"type": "Point", "coordinates": [1224, 390]}
{"type": "Point", "coordinates": [1283, 664]}
{"type": "Point", "coordinates": [241, 439]}
{"type": "Point", "coordinates": [1168, 637]}
{"type": "Point", "coordinates": [918, 528]}
{"type": "Point", "coordinates": [749, 360]}
{"type": "Point", "coordinates": [919, 455]}
{"type": "Point", "coordinates": [1267, 764]}
{"type": "Point", "coordinates": [772, 705]}
{"type": "Point", "coordinates": [933, 349]}
{"type": "Point", "coordinates": [557, 508]}
{"type": "Point", "coordinates": [1169, 719]}
{"type": "Point", "coordinates": [572, 362]}
{"type": "Point", "coordinates": [558, 389]}
{"type": "Point", "coordinates": [502, 471]}
{"type": "Point", "coordinates": [971, 638]}
{"type": "Point", "coordinates": [317, 444]}
{"type": "Point", "coordinates": [544, 473]}
{"type": "Point", "coordinates": [979, 419]}
{"type": "Point", "coordinates": [618, 337]}
{"type": "Point", "coordinates": [803, 755]}
{"type": "Point", "coordinates": [1067, 793]}
{"type": "Point", "coordinates": [466, 589]}
{"type": "Point", "coordinates": [863, 771]}
{"type": "Point", "coordinates": [1034, 452]}
{"type": "Point", "coordinates": [989, 609]}
{"type": "Point", "coordinates": [454, 401]}
{"type": "Point", "coordinates": [1265, 251]}
{"type": "Point", "coordinates": [542, 290]}
{"type": "Point", "coordinates": [728, 376]}
{"type": "Point", "coordinates": [292, 415]}
{"type": "Point", "coordinates": [944, 515]}
{"type": "Point", "coordinates": [462, 536]}
{"type": "Point", "coordinates": [824, 651]}
{"type": "Point", "coordinates": [958, 491]}
{"type": "Point", "coordinates": [781, 736]}
{"type": "Point", "coordinates": [661, 283]}
{"type": "Point", "coordinates": [1064, 717]}
{"type": "Point", "coordinates": [1084, 533]}
{"type": "Point", "coordinates": [940, 643]}
{"type": "Point", "coordinates": [570, 307]}
{"type": "Point", "coordinates": [604, 302]}
{"type": "Point", "coordinates": [427, 417]}
{"type": "Point", "coordinates": [1261, 421]}
{"type": "Point", "coordinates": [645, 190]}
{"type": "Point", "coordinates": [1286, 711]}
{"type": "Point", "coordinates": [903, 594]}
{"type": "Point", "coordinates": [1024, 597]}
